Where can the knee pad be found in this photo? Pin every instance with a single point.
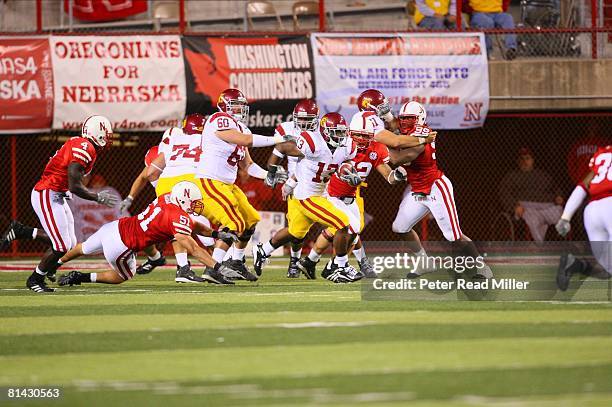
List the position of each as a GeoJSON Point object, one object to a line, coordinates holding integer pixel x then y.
{"type": "Point", "coordinates": [327, 235]}
{"type": "Point", "coordinates": [246, 235]}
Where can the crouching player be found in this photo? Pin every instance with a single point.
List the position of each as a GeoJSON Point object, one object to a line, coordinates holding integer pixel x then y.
{"type": "Point", "coordinates": [165, 219]}
{"type": "Point", "coordinates": [347, 198]}
{"type": "Point", "coordinates": [597, 221]}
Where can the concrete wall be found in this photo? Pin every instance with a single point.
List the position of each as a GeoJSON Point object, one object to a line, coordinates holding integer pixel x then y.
{"type": "Point", "coordinates": [551, 77]}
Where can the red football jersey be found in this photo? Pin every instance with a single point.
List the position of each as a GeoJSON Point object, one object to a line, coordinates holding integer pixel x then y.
{"type": "Point", "coordinates": [75, 150]}
{"type": "Point", "coordinates": [158, 223]}
{"type": "Point", "coordinates": [601, 164]}
{"type": "Point", "coordinates": [151, 155]}
{"type": "Point", "coordinates": [423, 171]}
{"type": "Point", "coordinates": [375, 155]}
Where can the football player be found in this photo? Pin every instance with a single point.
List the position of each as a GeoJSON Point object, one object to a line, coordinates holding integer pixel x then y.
{"type": "Point", "coordinates": [347, 198]}
{"type": "Point", "coordinates": [597, 185]}
{"type": "Point", "coordinates": [428, 191]}
{"type": "Point", "coordinates": [224, 148]}
{"type": "Point", "coordinates": [166, 218]}
{"type": "Point", "coordinates": [62, 176]}
{"type": "Point", "coordinates": [320, 155]}
{"type": "Point", "coordinates": [305, 118]}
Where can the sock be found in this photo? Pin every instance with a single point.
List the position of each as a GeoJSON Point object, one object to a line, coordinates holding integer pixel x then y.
{"type": "Point", "coordinates": [40, 272]}
{"type": "Point", "coordinates": [359, 253]}
{"type": "Point", "coordinates": [181, 259]}
{"type": "Point", "coordinates": [218, 254]}
{"type": "Point", "coordinates": [156, 257]}
{"type": "Point", "coordinates": [341, 260]}
{"type": "Point", "coordinates": [296, 253]}
{"type": "Point", "coordinates": [238, 254]}
{"type": "Point", "coordinates": [34, 233]}
{"type": "Point", "coordinates": [268, 248]}
{"type": "Point", "coordinates": [89, 278]}
{"type": "Point", "coordinates": [314, 256]}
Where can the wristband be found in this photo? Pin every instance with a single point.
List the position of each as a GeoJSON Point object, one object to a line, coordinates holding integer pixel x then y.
{"type": "Point", "coordinates": [278, 153]}
{"type": "Point", "coordinates": [214, 234]}
{"type": "Point", "coordinates": [574, 202]}
{"type": "Point", "coordinates": [387, 117]}
{"type": "Point", "coordinates": [291, 182]}
{"type": "Point", "coordinates": [256, 171]}
{"type": "Point", "coordinates": [130, 197]}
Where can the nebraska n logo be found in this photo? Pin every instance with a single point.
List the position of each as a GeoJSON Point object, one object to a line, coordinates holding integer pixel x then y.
{"type": "Point", "coordinates": [472, 112]}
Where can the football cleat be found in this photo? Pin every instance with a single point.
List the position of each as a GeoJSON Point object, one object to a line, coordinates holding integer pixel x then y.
{"type": "Point", "coordinates": [72, 278]}
{"type": "Point", "coordinates": [308, 267]}
{"type": "Point", "coordinates": [216, 276]}
{"type": "Point", "coordinates": [293, 271]}
{"type": "Point", "coordinates": [186, 275]}
{"type": "Point", "coordinates": [259, 258]}
{"type": "Point", "coordinates": [483, 273]}
{"type": "Point", "coordinates": [366, 268]}
{"type": "Point", "coordinates": [337, 274]}
{"type": "Point", "coordinates": [237, 270]}
{"type": "Point", "coordinates": [149, 265]}
{"type": "Point", "coordinates": [52, 277]}
{"type": "Point", "coordinates": [15, 231]}
{"type": "Point", "coordinates": [568, 266]}
{"type": "Point", "coordinates": [38, 285]}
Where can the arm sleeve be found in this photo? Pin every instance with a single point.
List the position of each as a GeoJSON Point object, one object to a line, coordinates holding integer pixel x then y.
{"type": "Point", "coordinates": [424, 8]}
{"type": "Point", "coordinates": [574, 202]}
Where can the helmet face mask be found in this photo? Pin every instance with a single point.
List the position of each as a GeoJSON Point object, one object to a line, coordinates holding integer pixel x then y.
{"type": "Point", "coordinates": [334, 130]}
{"type": "Point", "coordinates": [233, 102]}
{"type": "Point", "coordinates": [306, 115]}
{"type": "Point", "coordinates": [375, 101]}
{"type": "Point", "coordinates": [407, 123]}
{"type": "Point", "coordinates": [411, 114]}
{"type": "Point", "coordinates": [362, 139]}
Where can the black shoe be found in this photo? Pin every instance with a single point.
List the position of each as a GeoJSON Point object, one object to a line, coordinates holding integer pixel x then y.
{"type": "Point", "coordinates": [149, 265]}
{"type": "Point", "coordinates": [259, 258]}
{"type": "Point", "coordinates": [293, 271]}
{"type": "Point", "coordinates": [186, 275]}
{"type": "Point", "coordinates": [337, 274]}
{"type": "Point", "coordinates": [51, 277]}
{"type": "Point", "coordinates": [37, 284]}
{"type": "Point", "coordinates": [216, 276]}
{"type": "Point", "coordinates": [366, 268]}
{"type": "Point", "coordinates": [412, 275]}
{"type": "Point", "coordinates": [15, 231]}
{"type": "Point", "coordinates": [237, 270]}
{"type": "Point", "coordinates": [568, 266]}
{"type": "Point", "coordinates": [72, 278]}
{"type": "Point", "coordinates": [308, 267]}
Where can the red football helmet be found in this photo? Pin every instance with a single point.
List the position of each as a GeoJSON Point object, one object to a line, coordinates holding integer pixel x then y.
{"type": "Point", "coordinates": [306, 115]}
{"type": "Point", "coordinates": [334, 129]}
{"type": "Point", "coordinates": [193, 124]}
{"type": "Point", "coordinates": [374, 101]}
{"type": "Point", "coordinates": [233, 102]}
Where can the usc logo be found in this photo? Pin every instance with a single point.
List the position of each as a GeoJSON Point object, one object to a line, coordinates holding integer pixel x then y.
{"type": "Point", "coordinates": [366, 102]}
{"type": "Point", "coordinates": [323, 121]}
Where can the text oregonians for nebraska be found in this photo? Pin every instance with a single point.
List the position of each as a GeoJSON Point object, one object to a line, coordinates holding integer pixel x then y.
{"type": "Point", "coordinates": [119, 51]}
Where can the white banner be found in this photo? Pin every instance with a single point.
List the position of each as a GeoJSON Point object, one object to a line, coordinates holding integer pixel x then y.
{"type": "Point", "coordinates": [446, 72]}
{"type": "Point", "coordinates": [138, 82]}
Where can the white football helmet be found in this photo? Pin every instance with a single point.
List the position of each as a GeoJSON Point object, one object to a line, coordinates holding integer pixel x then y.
{"type": "Point", "coordinates": [98, 130]}
{"type": "Point", "coordinates": [361, 130]}
{"type": "Point", "coordinates": [188, 197]}
{"type": "Point", "coordinates": [411, 114]}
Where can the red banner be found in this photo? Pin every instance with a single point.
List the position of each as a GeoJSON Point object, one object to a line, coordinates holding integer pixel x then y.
{"type": "Point", "coordinates": [26, 85]}
{"type": "Point", "coordinates": [105, 10]}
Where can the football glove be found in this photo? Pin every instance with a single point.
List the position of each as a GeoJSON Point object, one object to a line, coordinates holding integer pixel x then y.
{"type": "Point", "coordinates": [107, 198]}
{"type": "Point", "coordinates": [352, 178]}
{"type": "Point", "coordinates": [397, 175]}
{"type": "Point", "coordinates": [125, 204]}
{"type": "Point", "coordinates": [288, 188]}
{"type": "Point", "coordinates": [224, 234]}
{"type": "Point", "coordinates": [563, 227]}
{"type": "Point", "coordinates": [276, 175]}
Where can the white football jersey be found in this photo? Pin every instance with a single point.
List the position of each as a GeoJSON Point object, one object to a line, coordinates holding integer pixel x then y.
{"type": "Point", "coordinates": [377, 122]}
{"type": "Point", "coordinates": [220, 159]}
{"type": "Point", "coordinates": [319, 164]}
{"type": "Point", "coordinates": [288, 128]}
{"type": "Point", "coordinates": [181, 152]}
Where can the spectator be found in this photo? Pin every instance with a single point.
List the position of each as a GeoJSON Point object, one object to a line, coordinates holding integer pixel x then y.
{"type": "Point", "coordinates": [493, 14]}
{"type": "Point", "coordinates": [260, 196]}
{"type": "Point", "coordinates": [528, 193]}
{"type": "Point", "coordinates": [435, 14]}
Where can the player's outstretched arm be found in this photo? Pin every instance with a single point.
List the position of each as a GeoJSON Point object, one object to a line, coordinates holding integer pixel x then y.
{"type": "Point", "coordinates": [581, 191]}
{"type": "Point", "coordinates": [287, 148]}
{"type": "Point", "coordinates": [194, 250]}
{"type": "Point", "coordinates": [137, 186]}
{"type": "Point", "coordinates": [75, 185]}
{"type": "Point", "coordinates": [404, 156]}
{"type": "Point", "coordinates": [234, 136]}
{"type": "Point", "coordinates": [393, 176]}
{"type": "Point", "coordinates": [393, 140]}
{"type": "Point", "coordinates": [156, 168]}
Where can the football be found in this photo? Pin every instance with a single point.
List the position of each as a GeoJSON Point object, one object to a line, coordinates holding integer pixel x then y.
{"type": "Point", "coordinates": [346, 168]}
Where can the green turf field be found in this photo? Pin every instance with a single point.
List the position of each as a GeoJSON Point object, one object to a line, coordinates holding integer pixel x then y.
{"type": "Point", "coordinates": [279, 342]}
